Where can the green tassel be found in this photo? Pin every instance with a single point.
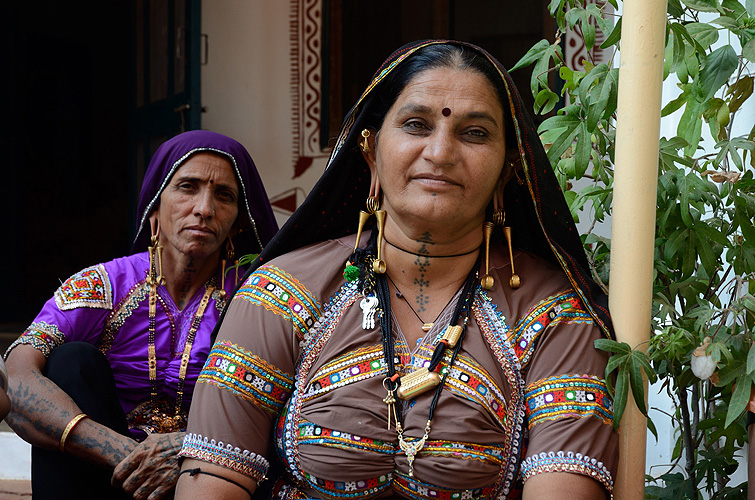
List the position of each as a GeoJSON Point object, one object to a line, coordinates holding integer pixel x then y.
{"type": "Point", "coordinates": [351, 272]}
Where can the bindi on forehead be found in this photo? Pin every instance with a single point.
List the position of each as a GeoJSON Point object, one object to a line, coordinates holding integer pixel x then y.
{"type": "Point", "coordinates": [446, 112]}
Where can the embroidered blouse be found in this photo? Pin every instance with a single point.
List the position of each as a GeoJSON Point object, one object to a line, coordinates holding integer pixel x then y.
{"type": "Point", "coordinates": [294, 378]}
{"type": "Point", "coordinates": [107, 305]}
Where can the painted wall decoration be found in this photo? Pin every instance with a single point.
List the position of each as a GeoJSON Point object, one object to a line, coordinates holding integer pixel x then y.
{"type": "Point", "coordinates": [306, 78]}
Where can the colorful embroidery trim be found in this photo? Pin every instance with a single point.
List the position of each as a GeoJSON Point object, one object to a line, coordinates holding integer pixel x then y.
{"type": "Point", "coordinates": [351, 367]}
{"type": "Point", "coordinates": [279, 292]}
{"type": "Point", "coordinates": [468, 379]}
{"type": "Point", "coordinates": [495, 331]}
{"type": "Point", "coordinates": [310, 433]}
{"type": "Point", "coordinates": [123, 310]}
{"type": "Point", "coordinates": [562, 308]}
{"type": "Point", "coordinates": [42, 336]}
{"type": "Point", "coordinates": [349, 489]}
{"type": "Point", "coordinates": [215, 452]}
{"type": "Point", "coordinates": [411, 488]}
{"type": "Point", "coordinates": [231, 367]}
{"type": "Point", "coordinates": [568, 396]}
{"type": "Point", "coordinates": [87, 288]}
{"type": "Point", "coordinates": [567, 462]}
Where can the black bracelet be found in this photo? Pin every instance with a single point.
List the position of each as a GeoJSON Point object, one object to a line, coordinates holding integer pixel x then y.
{"type": "Point", "coordinates": [194, 472]}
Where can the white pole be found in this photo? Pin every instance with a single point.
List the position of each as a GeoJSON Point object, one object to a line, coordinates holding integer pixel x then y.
{"type": "Point", "coordinates": [633, 219]}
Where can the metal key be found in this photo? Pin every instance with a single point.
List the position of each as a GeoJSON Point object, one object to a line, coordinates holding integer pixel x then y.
{"type": "Point", "coordinates": [369, 308]}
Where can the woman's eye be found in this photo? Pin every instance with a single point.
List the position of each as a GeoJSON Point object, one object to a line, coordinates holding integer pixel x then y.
{"type": "Point", "coordinates": [415, 126]}
{"type": "Point", "coordinates": [476, 134]}
{"type": "Point", "coordinates": [226, 196]}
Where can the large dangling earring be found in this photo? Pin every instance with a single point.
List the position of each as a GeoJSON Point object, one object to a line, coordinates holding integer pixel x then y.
{"type": "Point", "coordinates": [155, 277]}
{"type": "Point", "coordinates": [487, 281]}
{"type": "Point", "coordinates": [373, 204]}
{"type": "Point", "coordinates": [230, 253]}
{"type": "Point", "coordinates": [351, 272]}
{"type": "Point", "coordinates": [378, 265]}
{"type": "Point", "coordinates": [514, 281]}
{"type": "Point", "coordinates": [499, 219]}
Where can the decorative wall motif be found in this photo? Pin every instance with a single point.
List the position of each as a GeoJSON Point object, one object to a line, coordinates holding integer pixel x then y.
{"type": "Point", "coordinates": [305, 35]}
{"type": "Point", "coordinates": [576, 52]}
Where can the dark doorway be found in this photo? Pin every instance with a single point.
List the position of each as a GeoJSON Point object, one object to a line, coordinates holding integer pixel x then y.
{"type": "Point", "coordinates": [359, 36]}
{"type": "Point", "coordinates": [72, 164]}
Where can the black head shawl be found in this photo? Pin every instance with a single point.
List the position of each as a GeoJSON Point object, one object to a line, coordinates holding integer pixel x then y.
{"type": "Point", "coordinates": [536, 208]}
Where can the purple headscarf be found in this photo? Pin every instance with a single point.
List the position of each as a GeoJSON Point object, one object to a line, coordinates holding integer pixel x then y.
{"type": "Point", "coordinates": [253, 201]}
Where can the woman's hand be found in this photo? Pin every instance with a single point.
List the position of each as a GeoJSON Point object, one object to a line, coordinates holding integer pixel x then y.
{"type": "Point", "coordinates": [151, 470]}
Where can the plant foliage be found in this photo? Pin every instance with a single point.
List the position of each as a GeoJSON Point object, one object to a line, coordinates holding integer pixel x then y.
{"type": "Point", "coordinates": [704, 273]}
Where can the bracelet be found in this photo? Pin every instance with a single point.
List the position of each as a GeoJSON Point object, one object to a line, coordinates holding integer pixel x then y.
{"type": "Point", "coordinates": [194, 472]}
{"type": "Point", "coordinates": [71, 424]}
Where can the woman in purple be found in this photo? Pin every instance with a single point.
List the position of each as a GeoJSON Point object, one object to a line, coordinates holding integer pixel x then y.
{"type": "Point", "coordinates": [102, 379]}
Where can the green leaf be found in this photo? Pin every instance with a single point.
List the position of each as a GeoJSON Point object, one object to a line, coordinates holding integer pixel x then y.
{"type": "Point", "coordinates": [545, 101]}
{"type": "Point", "coordinates": [750, 6]}
{"type": "Point", "coordinates": [621, 396]}
{"type": "Point", "coordinates": [636, 382]}
{"type": "Point", "coordinates": [582, 150]}
{"type": "Point", "coordinates": [751, 362]}
{"type": "Point", "coordinates": [675, 104]}
{"type": "Point", "coordinates": [748, 51]}
{"type": "Point", "coordinates": [702, 5]}
{"type": "Point", "coordinates": [739, 399]}
{"type": "Point", "coordinates": [719, 66]}
{"type": "Point", "coordinates": [704, 34]}
{"type": "Point", "coordinates": [615, 35]}
{"type": "Point", "coordinates": [532, 55]}
{"type": "Point", "coordinates": [613, 346]}
{"type": "Point", "coordinates": [726, 22]}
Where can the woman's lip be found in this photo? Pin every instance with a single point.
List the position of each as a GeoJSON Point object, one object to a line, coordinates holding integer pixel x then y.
{"type": "Point", "coordinates": [435, 179]}
{"type": "Point", "coordinates": [200, 229]}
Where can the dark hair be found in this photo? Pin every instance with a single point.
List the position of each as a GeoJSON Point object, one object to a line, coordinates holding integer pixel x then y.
{"type": "Point", "coordinates": [431, 57]}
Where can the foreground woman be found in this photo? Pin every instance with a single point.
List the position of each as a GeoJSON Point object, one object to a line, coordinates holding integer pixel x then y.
{"type": "Point", "coordinates": [425, 358]}
{"type": "Point", "coordinates": [113, 357]}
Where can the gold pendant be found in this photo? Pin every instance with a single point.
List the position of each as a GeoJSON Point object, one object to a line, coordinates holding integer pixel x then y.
{"type": "Point", "coordinates": [427, 327]}
{"type": "Point", "coordinates": [417, 382]}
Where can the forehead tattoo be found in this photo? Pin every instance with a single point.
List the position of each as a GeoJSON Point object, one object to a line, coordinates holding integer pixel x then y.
{"type": "Point", "coordinates": [446, 112]}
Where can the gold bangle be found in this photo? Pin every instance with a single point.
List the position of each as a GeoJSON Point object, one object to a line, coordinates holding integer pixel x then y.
{"type": "Point", "coordinates": [71, 424]}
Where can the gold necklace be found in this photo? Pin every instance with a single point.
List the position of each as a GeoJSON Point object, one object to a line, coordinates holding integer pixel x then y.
{"type": "Point", "coordinates": [423, 379]}
{"type": "Point", "coordinates": [162, 422]}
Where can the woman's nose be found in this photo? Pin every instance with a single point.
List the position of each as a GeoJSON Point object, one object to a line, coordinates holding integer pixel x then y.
{"type": "Point", "coordinates": [441, 148]}
{"type": "Point", "coordinates": [205, 206]}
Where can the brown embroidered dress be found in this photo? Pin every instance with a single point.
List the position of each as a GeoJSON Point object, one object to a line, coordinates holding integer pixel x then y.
{"type": "Point", "coordinates": [293, 367]}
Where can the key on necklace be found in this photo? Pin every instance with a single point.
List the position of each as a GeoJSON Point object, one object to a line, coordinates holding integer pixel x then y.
{"type": "Point", "coordinates": [369, 308]}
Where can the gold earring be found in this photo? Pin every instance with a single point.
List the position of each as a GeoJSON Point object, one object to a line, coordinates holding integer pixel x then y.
{"type": "Point", "coordinates": [379, 264]}
{"type": "Point", "coordinates": [373, 204]}
{"type": "Point", "coordinates": [487, 281]}
{"type": "Point", "coordinates": [230, 253]}
{"type": "Point", "coordinates": [514, 281]}
{"type": "Point", "coordinates": [155, 258]}
{"type": "Point", "coordinates": [365, 144]}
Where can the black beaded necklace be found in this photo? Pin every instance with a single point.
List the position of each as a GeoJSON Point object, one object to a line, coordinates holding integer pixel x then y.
{"type": "Point", "coordinates": [421, 380]}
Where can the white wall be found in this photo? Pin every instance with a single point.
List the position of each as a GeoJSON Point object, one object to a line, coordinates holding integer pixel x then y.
{"type": "Point", "coordinates": [246, 87]}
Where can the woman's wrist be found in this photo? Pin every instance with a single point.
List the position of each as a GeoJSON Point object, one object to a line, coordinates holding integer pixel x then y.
{"type": "Point", "coordinates": [68, 428]}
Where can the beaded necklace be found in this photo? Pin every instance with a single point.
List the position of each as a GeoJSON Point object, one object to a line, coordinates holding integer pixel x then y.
{"type": "Point", "coordinates": [423, 379]}
{"type": "Point", "coordinates": [161, 421]}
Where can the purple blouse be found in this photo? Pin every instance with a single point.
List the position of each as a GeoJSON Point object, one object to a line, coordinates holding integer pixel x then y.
{"type": "Point", "coordinates": [107, 305]}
